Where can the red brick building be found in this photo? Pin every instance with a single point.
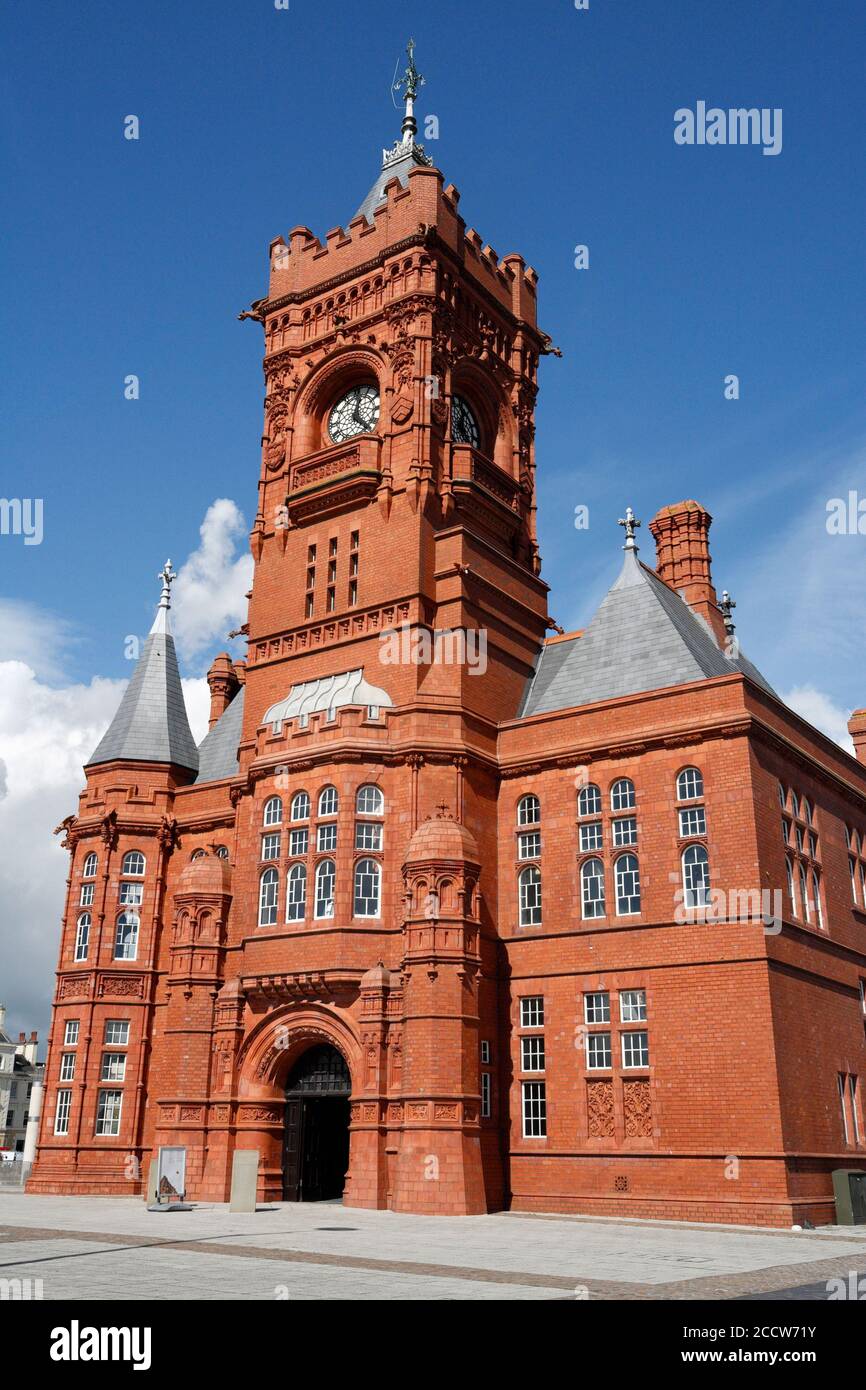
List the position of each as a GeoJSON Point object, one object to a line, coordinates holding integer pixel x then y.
{"type": "Point", "coordinates": [447, 913]}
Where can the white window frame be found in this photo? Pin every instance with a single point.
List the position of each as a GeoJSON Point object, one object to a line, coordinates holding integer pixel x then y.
{"type": "Point", "coordinates": [533, 1109]}
{"type": "Point", "coordinates": [598, 1044]}
{"type": "Point", "coordinates": [623, 787]}
{"type": "Point", "coordinates": [624, 826]}
{"type": "Point", "coordinates": [326, 838]}
{"type": "Point", "coordinates": [135, 858]}
{"type": "Point", "coordinates": [82, 936]}
{"type": "Point", "coordinates": [299, 809]}
{"type": "Point", "coordinates": [591, 837]}
{"type": "Point", "coordinates": [592, 908]}
{"type": "Point", "coordinates": [62, 1111]}
{"type": "Point", "coordinates": [271, 846]}
{"type": "Point", "coordinates": [693, 822]}
{"type": "Point", "coordinates": [325, 869]}
{"type": "Point", "coordinates": [71, 1032]}
{"type": "Point", "coordinates": [532, 1011]}
{"type": "Point", "coordinates": [272, 813]}
{"type": "Point", "coordinates": [296, 901]}
{"type": "Point", "coordinates": [329, 801]}
{"type": "Point", "coordinates": [589, 800]}
{"type": "Point", "coordinates": [632, 1005]}
{"type": "Point", "coordinates": [625, 879]}
{"type": "Point", "coordinates": [529, 810]}
{"type": "Point", "coordinates": [113, 1062]}
{"type": "Point", "coordinates": [369, 800]}
{"type": "Point", "coordinates": [532, 1058]}
{"type": "Point", "coordinates": [116, 1033]}
{"type": "Point", "coordinates": [690, 784]}
{"type": "Point", "coordinates": [596, 1006]}
{"type": "Point", "coordinates": [269, 897]}
{"type": "Point", "coordinates": [630, 1048]}
{"type": "Point", "coordinates": [108, 1119]}
{"type": "Point", "coordinates": [367, 888]}
{"type": "Point", "coordinates": [67, 1066]}
{"type": "Point", "coordinates": [529, 896]}
{"type": "Point", "coordinates": [368, 836]}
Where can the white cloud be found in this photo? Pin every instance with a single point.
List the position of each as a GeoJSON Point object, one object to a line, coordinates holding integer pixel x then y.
{"type": "Point", "coordinates": [821, 711]}
{"type": "Point", "coordinates": [41, 640]}
{"type": "Point", "coordinates": [210, 593]}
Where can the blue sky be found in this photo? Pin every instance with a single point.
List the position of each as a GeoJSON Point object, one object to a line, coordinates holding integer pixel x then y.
{"type": "Point", "coordinates": [557, 127]}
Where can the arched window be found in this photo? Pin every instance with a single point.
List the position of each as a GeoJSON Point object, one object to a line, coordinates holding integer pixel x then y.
{"type": "Point", "coordinates": [222, 852]}
{"type": "Point", "coordinates": [82, 936]}
{"type": "Point", "coordinates": [89, 870]}
{"type": "Point", "coordinates": [328, 802]}
{"type": "Point", "coordinates": [592, 888]}
{"type": "Point", "coordinates": [804, 895]}
{"type": "Point", "coordinates": [589, 800]}
{"type": "Point", "coordinates": [325, 877]}
{"type": "Point", "coordinates": [273, 811]}
{"type": "Point", "coordinates": [795, 805]}
{"type": "Point", "coordinates": [197, 854]}
{"type": "Point", "coordinates": [807, 811]}
{"type": "Point", "coordinates": [126, 936]}
{"type": "Point", "coordinates": [783, 797]}
{"type": "Point", "coordinates": [816, 899]}
{"type": "Point", "coordinates": [627, 874]}
{"type": "Point", "coordinates": [792, 896]}
{"type": "Point", "coordinates": [269, 887]}
{"type": "Point", "coordinates": [622, 795]}
{"type": "Point", "coordinates": [296, 893]}
{"type": "Point", "coordinates": [690, 784]}
{"type": "Point", "coordinates": [133, 863]}
{"type": "Point", "coordinates": [529, 811]}
{"type": "Point", "coordinates": [529, 884]}
{"type": "Point", "coordinates": [368, 892]}
{"type": "Point", "coordinates": [300, 808]}
{"type": "Point", "coordinates": [696, 876]}
{"type": "Point", "coordinates": [369, 801]}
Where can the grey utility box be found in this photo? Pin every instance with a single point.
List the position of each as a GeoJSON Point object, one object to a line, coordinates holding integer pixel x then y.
{"type": "Point", "coordinates": [849, 1189]}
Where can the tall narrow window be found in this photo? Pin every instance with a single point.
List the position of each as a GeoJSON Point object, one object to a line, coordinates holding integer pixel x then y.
{"type": "Point", "coordinates": [273, 813]}
{"type": "Point", "coordinates": [627, 875]}
{"type": "Point", "coordinates": [300, 809]}
{"type": "Point", "coordinates": [82, 936]}
{"type": "Point", "coordinates": [816, 900]}
{"type": "Point", "coordinates": [529, 883]}
{"type": "Point", "coordinates": [89, 870]}
{"type": "Point", "coordinates": [842, 1081]}
{"type": "Point", "coordinates": [528, 810]}
{"type": "Point", "coordinates": [534, 1110]}
{"type": "Point", "coordinates": [696, 876]}
{"type": "Point", "coordinates": [792, 896]}
{"type": "Point", "coordinates": [108, 1113]}
{"type": "Point", "coordinates": [328, 802]}
{"type": "Point", "coordinates": [368, 879]}
{"type": "Point", "coordinates": [622, 795]}
{"type": "Point", "coordinates": [269, 887]}
{"type": "Point", "coordinates": [325, 877]}
{"type": "Point", "coordinates": [804, 896]}
{"type": "Point", "coordinates": [62, 1112]}
{"type": "Point", "coordinates": [589, 800]}
{"type": "Point", "coordinates": [592, 888]}
{"type": "Point", "coordinates": [296, 893]}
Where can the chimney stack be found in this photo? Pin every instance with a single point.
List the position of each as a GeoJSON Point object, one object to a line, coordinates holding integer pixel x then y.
{"type": "Point", "coordinates": [857, 730]}
{"type": "Point", "coordinates": [224, 686]}
{"type": "Point", "coordinates": [683, 561]}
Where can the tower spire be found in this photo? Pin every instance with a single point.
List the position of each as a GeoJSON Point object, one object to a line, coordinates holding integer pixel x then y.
{"type": "Point", "coordinates": [409, 83]}
{"type": "Point", "coordinates": [161, 621]}
{"type": "Point", "coordinates": [630, 523]}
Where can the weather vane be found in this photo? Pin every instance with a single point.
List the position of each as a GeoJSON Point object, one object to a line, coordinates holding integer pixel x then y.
{"type": "Point", "coordinates": [630, 524]}
{"type": "Point", "coordinates": [168, 576]}
{"type": "Point", "coordinates": [409, 84]}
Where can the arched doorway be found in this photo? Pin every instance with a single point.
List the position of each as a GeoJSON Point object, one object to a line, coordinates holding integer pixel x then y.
{"type": "Point", "coordinates": [316, 1152]}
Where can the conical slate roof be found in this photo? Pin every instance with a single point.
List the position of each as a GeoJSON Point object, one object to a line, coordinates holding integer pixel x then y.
{"type": "Point", "coordinates": [643, 637]}
{"type": "Point", "coordinates": [151, 723]}
{"type": "Point", "coordinates": [218, 750]}
{"type": "Point", "coordinates": [396, 164]}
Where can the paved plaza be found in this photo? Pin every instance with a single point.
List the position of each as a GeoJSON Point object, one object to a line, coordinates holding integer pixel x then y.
{"type": "Point", "coordinates": [105, 1247]}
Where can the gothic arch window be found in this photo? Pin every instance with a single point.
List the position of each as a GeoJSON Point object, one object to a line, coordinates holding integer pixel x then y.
{"type": "Point", "coordinates": [529, 886]}
{"type": "Point", "coordinates": [592, 888]}
{"type": "Point", "coordinates": [133, 863]}
{"type": "Point", "coordinates": [325, 880]}
{"type": "Point", "coordinates": [328, 801]}
{"type": "Point", "coordinates": [296, 893]}
{"type": "Point", "coordinates": [696, 876]}
{"type": "Point", "coordinates": [464, 423]}
{"type": "Point", "coordinates": [816, 900]}
{"type": "Point", "coordinates": [197, 854]}
{"type": "Point", "coordinates": [126, 936]}
{"type": "Point", "coordinates": [369, 801]}
{"type": "Point", "coordinates": [690, 784]}
{"type": "Point", "coordinates": [805, 902]}
{"type": "Point", "coordinates": [82, 936]}
{"type": "Point", "coordinates": [300, 808]}
{"type": "Point", "coordinates": [627, 876]}
{"type": "Point", "coordinates": [269, 887]}
{"type": "Point", "coordinates": [368, 888]}
{"type": "Point", "coordinates": [222, 852]}
{"type": "Point", "coordinates": [622, 795]}
{"type": "Point", "coordinates": [89, 870]}
{"type": "Point", "coordinates": [529, 810]}
{"type": "Point", "coordinates": [273, 814]}
{"type": "Point", "coordinates": [589, 800]}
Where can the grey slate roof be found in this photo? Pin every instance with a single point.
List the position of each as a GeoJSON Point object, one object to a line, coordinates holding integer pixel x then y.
{"type": "Point", "coordinates": [395, 164]}
{"type": "Point", "coordinates": [151, 723]}
{"type": "Point", "coordinates": [218, 750]}
{"type": "Point", "coordinates": [643, 637]}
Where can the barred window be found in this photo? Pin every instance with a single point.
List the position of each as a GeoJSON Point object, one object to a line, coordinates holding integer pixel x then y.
{"type": "Point", "coordinates": [273, 814]}
{"type": "Point", "coordinates": [622, 795]}
{"type": "Point", "coordinates": [325, 878]}
{"type": "Point", "coordinates": [529, 883]}
{"type": "Point", "coordinates": [133, 863]}
{"type": "Point", "coordinates": [89, 870]}
{"type": "Point", "coordinates": [532, 1053]}
{"type": "Point", "coordinates": [126, 936]}
{"type": "Point", "coordinates": [598, 1055]}
{"type": "Point", "coordinates": [529, 810]}
{"type": "Point", "coordinates": [82, 936]}
{"type": "Point", "coordinates": [534, 1110]}
{"type": "Point", "coordinates": [108, 1113]}
{"type": "Point", "coordinates": [596, 1007]}
{"type": "Point", "coordinates": [696, 876]}
{"type": "Point", "coordinates": [690, 784]}
{"type": "Point", "coordinates": [368, 877]}
{"type": "Point", "coordinates": [693, 822]}
{"type": "Point", "coordinates": [300, 808]}
{"type": "Point", "coordinates": [635, 1050]}
{"type": "Point", "coordinates": [625, 831]}
{"type": "Point", "coordinates": [592, 888]}
{"type": "Point", "coordinates": [532, 1011]}
{"type": "Point", "coordinates": [369, 801]}
{"type": "Point", "coordinates": [632, 1005]}
{"type": "Point", "coordinates": [368, 835]}
{"type": "Point", "coordinates": [326, 838]}
{"type": "Point", "coordinates": [296, 893]}
{"type": "Point", "coordinates": [589, 800]}
{"type": "Point", "coordinates": [269, 887]}
{"type": "Point", "coordinates": [627, 876]}
{"type": "Point", "coordinates": [271, 845]}
{"type": "Point", "coordinates": [328, 801]}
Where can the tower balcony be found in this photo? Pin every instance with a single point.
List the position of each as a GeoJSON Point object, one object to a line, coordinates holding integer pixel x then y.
{"type": "Point", "coordinates": [334, 478]}
{"type": "Point", "coordinates": [484, 477]}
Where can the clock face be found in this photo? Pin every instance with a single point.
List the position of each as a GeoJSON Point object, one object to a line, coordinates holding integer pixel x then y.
{"type": "Point", "coordinates": [355, 413]}
{"type": "Point", "coordinates": [464, 426]}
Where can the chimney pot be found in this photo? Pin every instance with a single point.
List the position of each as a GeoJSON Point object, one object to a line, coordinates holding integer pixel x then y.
{"type": "Point", "coordinates": [683, 561]}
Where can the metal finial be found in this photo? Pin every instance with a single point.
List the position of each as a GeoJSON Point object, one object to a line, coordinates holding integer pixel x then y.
{"type": "Point", "coordinates": [726, 607]}
{"type": "Point", "coordinates": [409, 83]}
{"type": "Point", "coordinates": [630, 523]}
{"type": "Point", "coordinates": [168, 576]}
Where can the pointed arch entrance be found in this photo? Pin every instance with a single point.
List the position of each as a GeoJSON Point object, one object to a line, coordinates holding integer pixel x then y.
{"type": "Point", "coordinates": [316, 1147]}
